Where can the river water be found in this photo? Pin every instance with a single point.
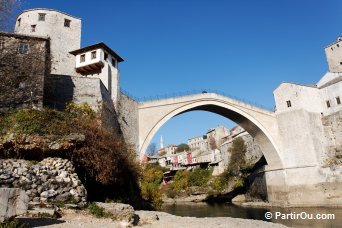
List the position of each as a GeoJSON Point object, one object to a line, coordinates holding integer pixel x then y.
{"type": "Point", "coordinates": [230, 210]}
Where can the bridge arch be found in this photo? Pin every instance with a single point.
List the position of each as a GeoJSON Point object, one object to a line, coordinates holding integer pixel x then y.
{"type": "Point", "coordinates": [259, 123]}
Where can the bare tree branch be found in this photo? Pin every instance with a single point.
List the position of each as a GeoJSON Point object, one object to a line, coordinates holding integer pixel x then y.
{"type": "Point", "coordinates": [7, 8]}
{"type": "Point", "coordinates": [152, 149]}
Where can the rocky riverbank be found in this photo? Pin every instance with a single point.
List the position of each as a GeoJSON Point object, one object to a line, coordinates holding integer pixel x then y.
{"type": "Point", "coordinates": [74, 218]}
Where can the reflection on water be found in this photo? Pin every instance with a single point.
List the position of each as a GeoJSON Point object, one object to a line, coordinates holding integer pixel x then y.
{"type": "Point", "coordinates": [230, 210]}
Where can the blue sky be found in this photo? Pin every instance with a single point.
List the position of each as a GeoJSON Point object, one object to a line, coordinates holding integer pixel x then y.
{"type": "Point", "coordinates": [243, 47]}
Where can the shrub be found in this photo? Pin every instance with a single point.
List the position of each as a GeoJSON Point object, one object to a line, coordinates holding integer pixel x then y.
{"type": "Point", "coordinates": [217, 186]}
{"type": "Point", "coordinates": [199, 177]}
{"type": "Point", "coordinates": [239, 183]}
{"type": "Point", "coordinates": [47, 215]}
{"type": "Point", "coordinates": [182, 147]}
{"type": "Point", "coordinates": [151, 179]}
{"type": "Point", "coordinates": [180, 181]}
{"type": "Point", "coordinates": [151, 192]}
{"type": "Point", "coordinates": [119, 171]}
{"type": "Point", "coordinates": [238, 151]}
{"type": "Point", "coordinates": [169, 191]}
{"type": "Point", "coordinates": [61, 204]}
{"type": "Point", "coordinates": [13, 223]}
{"type": "Point", "coordinates": [80, 109]}
{"type": "Point", "coordinates": [99, 212]}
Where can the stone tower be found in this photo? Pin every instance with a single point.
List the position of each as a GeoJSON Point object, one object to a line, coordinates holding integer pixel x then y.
{"type": "Point", "coordinates": [334, 55]}
{"type": "Point", "coordinates": [63, 30]}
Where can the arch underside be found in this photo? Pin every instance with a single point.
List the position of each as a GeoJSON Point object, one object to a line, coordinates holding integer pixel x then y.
{"type": "Point", "coordinates": [249, 123]}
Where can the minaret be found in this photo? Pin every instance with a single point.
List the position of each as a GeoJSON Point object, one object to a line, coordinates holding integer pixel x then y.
{"type": "Point", "coordinates": [161, 142]}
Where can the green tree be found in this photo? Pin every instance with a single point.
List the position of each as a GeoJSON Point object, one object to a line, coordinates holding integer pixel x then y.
{"type": "Point", "coordinates": [180, 181]}
{"type": "Point", "coordinates": [182, 147]}
{"type": "Point", "coordinates": [199, 177]}
{"type": "Point", "coordinates": [152, 177]}
{"type": "Point", "coordinates": [238, 151]}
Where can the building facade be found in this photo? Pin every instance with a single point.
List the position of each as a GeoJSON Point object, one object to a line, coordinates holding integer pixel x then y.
{"type": "Point", "coordinates": [73, 74]}
{"type": "Point", "coordinates": [199, 142]}
{"type": "Point", "coordinates": [63, 30]}
{"type": "Point", "coordinates": [334, 56]}
{"type": "Point", "coordinates": [215, 136]}
{"type": "Point", "coordinates": [99, 61]}
{"type": "Point", "coordinates": [303, 108]}
{"type": "Point", "coordinates": [168, 150]}
{"type": "Point", "coordinates": [24, 65]}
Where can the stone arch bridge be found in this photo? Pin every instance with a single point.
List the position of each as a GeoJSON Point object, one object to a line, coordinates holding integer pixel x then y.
{"type": "Point", "coordinates": [260, 123]}
{"type": "Point", "coordinates": [293, 174]}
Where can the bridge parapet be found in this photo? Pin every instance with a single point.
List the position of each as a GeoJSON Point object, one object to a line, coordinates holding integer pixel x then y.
{"type": "Point", "coordinates": [200, 96]}
{"type": "Point", "coordinates": [147, 99]}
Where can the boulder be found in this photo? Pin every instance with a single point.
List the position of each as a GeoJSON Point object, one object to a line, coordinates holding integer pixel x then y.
{"type": "Point", "coordinates": [13, 202]}
{"type": "Point", "coordinates": [239, 199]}
{"type": "Point", "coordinates": [48, 194]}
{"type": "Point", "coordinates": [37, 211]}
{"type": "Point", "coordinates": [5, 176]}
{"type": "Point", "coordinates": [146, 217]}
{"type": "Point", "coordinates": [63, 197]}
{"type": "Point", "coordinates": [119, 211]}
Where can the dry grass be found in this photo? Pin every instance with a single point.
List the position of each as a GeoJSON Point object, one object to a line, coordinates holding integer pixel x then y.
{"type": "Point", "coordinates": [106, 165]}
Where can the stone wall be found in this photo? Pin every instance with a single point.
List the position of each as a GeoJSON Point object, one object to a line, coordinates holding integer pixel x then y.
{"type": "Point", "coordinates": [257, 187]}
{"type": "Point", "coordinates": [51, 180]}
{"type": "Point", "coordinates": [22, 73]}
{"type": "Point", "coordinates": [61, 90]}
{"type": "Point", "coordinates": [333, 131]}
{"type": "Point", "coordinates": [129, 120]}
{"type": "Point", "coordinates": [333, 53]}
{"type": "Point", "coordinates": [303, 139]}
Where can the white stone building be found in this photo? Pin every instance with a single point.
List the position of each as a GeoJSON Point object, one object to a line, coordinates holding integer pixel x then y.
{"type": "Point", "coordinates": [199, 142]}
{"type": "Point", "coordinates": [68, 59]}
{"type": "Point", "coordinates": [100, 61]}
{"type": "Point", "coordinates": [168, 150]}
{"type": "Point", "coordinates": [334, 56]}
{"type": "Point", "coordinates": [215, 136]}
{"type": "Point", "coordinates": [63, 30]}
{"type": "Point", "coordinates": [324, 97]}
{"type": "Point", "coordinates": [301, 108]}
{"type": "Point", "coordinates": [182, 158]}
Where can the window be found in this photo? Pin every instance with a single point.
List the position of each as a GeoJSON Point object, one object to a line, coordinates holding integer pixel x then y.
{"type": "Point", "coordinates": [113, 63]}
{"type": "Point", "coordinates": [67, 22]}
{"type": "Point", "coordinates": [288, 104]}
{"type": "Point", "coordinates": [2, 44]}
{"type": "Point", "coordinates": [82, 58]}
{"type": "Point", "coordinates": [338, 100]}
{"type": "Point", "coordinates": [328, 104]}
{"type": "Point", "coordinates": [19, 20]}
{"type": "Point", "coordinates": [23, 48]}
{"type": "Point", "coordinates": [332, 49]}
{"type": "Point", "coordinates": [337, 45]}
{"type": "Point", "coordinates": [340, 63]}
{"type": "Point", "coordinates": [93, 55]}
{"type": "Point", "coordinates": [41, 16]}
{"type": "Point", "coordinates": [33, 28]}
{"type": "Point", "coordinates": [105, 56]}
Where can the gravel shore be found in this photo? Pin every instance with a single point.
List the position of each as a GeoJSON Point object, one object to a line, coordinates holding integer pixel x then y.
{"type": "Point", "coordinates": [143, 219]}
